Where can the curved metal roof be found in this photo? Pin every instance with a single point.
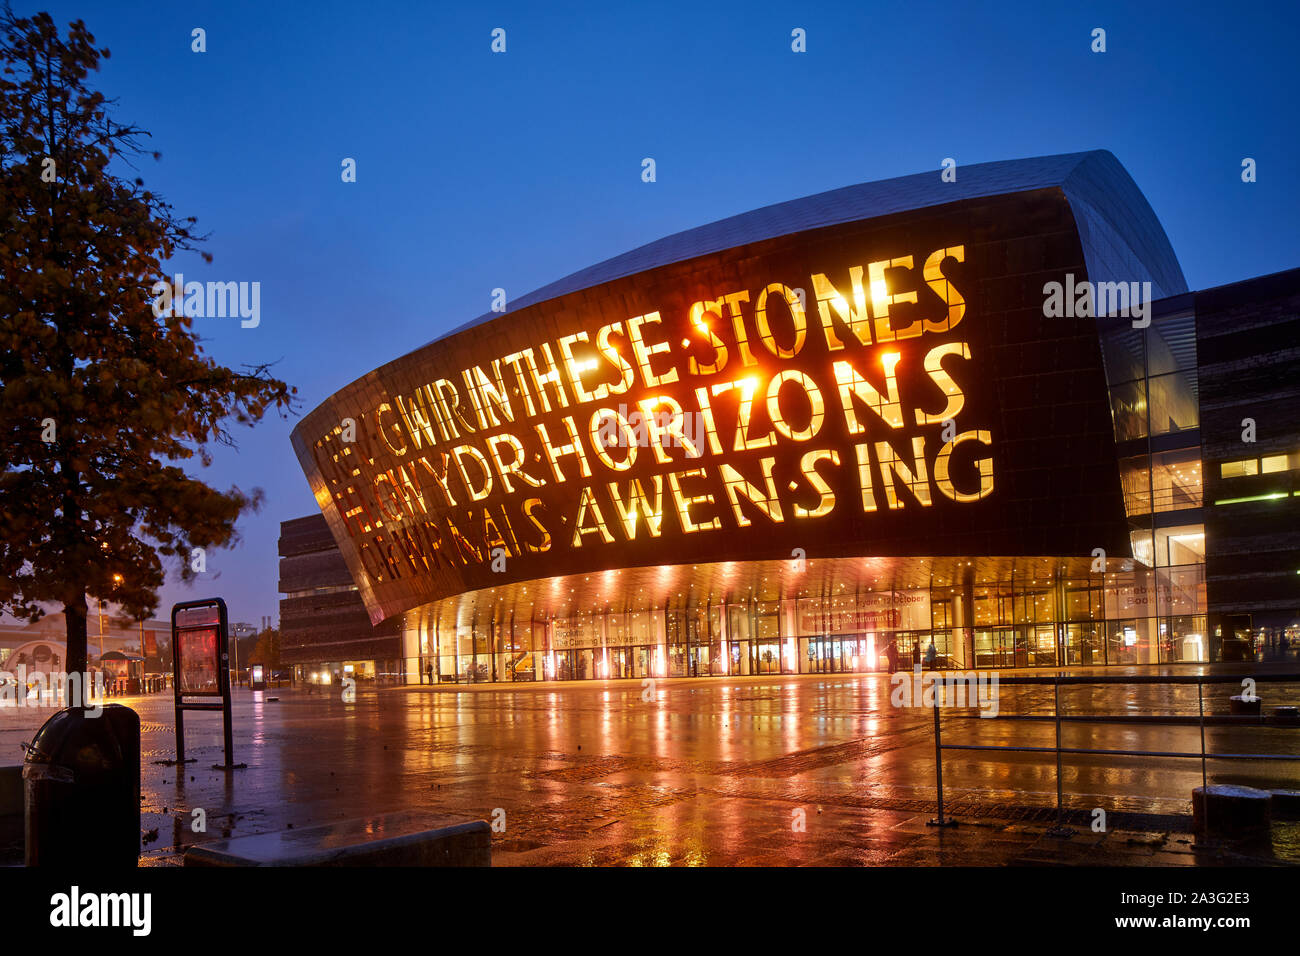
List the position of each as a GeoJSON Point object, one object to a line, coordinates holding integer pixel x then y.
{"type": "Point", "coordinates": [1121, 236]}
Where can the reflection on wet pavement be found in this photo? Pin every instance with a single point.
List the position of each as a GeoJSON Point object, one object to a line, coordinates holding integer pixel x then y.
{"type": "Point", "coordinates": [763, 771]}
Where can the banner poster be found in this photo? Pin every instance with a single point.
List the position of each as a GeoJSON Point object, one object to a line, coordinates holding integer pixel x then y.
{"type": "Point", "coordinates": [874, 611]}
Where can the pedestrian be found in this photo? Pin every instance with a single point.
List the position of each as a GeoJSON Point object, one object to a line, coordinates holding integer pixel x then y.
{"type": "Point", "coordinates": [429, 670]}
{"type": "Point", "coordinates": [931, 653]}
{"type": "Point", "coordinates": [916, 653]}
{"type": "Point", "coordinates": [891, 654]}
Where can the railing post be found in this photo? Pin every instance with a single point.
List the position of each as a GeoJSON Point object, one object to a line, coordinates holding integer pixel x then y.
{"type": "Point", "coordinates": [1060, 829]}
{"type": "Point", "coordinates": [938, 769]}
{"type": "Point", "coordinates": [1200, 705]}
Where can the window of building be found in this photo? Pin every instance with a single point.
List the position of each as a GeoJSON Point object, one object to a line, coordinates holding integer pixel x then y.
{"type": "Point", "coordinates": [1236, 469]}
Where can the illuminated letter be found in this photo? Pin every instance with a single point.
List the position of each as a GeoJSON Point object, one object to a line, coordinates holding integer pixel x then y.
{"type": "Point", "coordinates": [814, 399]}
{"type": "Point", "coordinates": [475, 494]}
{"type": "Point", "coordinates": [387, 497]}
{"type": "Point", "coordinates": [747, 387]}
{"type": "Point", "coordinates": [576, 368]}
{"type": "Point", "coordinates": [440, 478]}
{"type": "Point", "coordinates": [660, 426]}
{"type": "Point", "coordinates": [863, 451]}
{"type": "Point", "coordinates": [603, 437]}
{"type": "Point", "coordinates": [587, 501]}
{"type": "Point", "coordinates": [736, 485]}
{"type": "Point", "coordinates": [934, 278]}
{"type": "Point", "coordinates": [699, 311]}
{"type": "Point", "coordinates": [852, 385]}
{"type": "Point", "coordinates": [442, 388]}
{"type": "Point", "coordinates": [493, 395]}
{"type": "Point", "coordinates": [410, 491]}
{"type": "Point", "coordinates": [881, 300]}
{"type": "Point", "coordinates": [684, 503]}
{"type": "Point", "coordinates": [524, 359]}
{"type": "Point", "coordinates": [637, 502]}
{"type": "Point", "coordinates": [530, 506]}
{"type": "Point", "coordinates": [383, 432]}
{"type": "Point", "coordinates": [985, 467]}
{"type": "Point", "coordinates": [933, 367]}
{"type": "Point", "coordinates": [915, 478]}
{"type": "Point", "coordinates": [797, 317]}
{"type": "Point", "coordinates": [738, 325]}
{"type": "Point", "coordinates": [418, 424]}
{"type": "Point", "coordinates": [516, 465]}
{"type": "Point", "coordinates": [643, 354]}
{"type": "Point", "coordinates": [551, 377]}
{"type": "Point", "coordinates": [471, 391]}
{"type": "Point", "coordinates": [854, 316]}
{"type": "Point", "coordinates": [574, 447]}
{"type": "Point", "coordinates": [706, 416]}
{"type": "Point", "coordinates": [613, 357]}
{"type": "Point", "coordinates": [826, 497]}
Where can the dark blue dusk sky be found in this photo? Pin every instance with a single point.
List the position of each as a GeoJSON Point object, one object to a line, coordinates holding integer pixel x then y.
{"type": "Point", "coordinates": [478, 170]}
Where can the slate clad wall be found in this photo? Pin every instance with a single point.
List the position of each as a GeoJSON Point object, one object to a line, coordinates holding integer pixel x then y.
{"type": "Point", "coordinates": [331, 625]}
{"type": "Point", "coordinates": [1248, 342]}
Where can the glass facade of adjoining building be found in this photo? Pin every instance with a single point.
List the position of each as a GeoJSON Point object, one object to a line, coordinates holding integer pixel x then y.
{"type": "Point", "coordinates": [1140, 616]}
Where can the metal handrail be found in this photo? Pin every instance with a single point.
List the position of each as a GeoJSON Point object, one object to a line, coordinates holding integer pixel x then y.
{"type": "Point", "coordinates": [1151, 678]}
{"type": "Point", "coordinates": [1056, 680]}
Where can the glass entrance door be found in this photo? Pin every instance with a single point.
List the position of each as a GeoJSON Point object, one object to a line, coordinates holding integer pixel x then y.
{"type": "Point", "coordinates": [767, 657]}
{"type": "Point", "coordinates": [996, 648]}
{"type": "Point", "coordinates": [1042, 650]}
{"type": "Point", "coordinates": [1082, 645]}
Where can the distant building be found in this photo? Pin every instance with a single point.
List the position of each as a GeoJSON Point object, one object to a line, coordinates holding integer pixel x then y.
{"type": "Point", "coordinates": [149, 639]}
{"type": "Point", "coordinates": [1248, 338]}
{"type": "Point", "coordinates": [324, 627]}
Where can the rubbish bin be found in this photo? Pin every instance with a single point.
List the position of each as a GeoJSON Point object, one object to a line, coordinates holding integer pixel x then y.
{"type": "Point", "coordinates": [82, 789]}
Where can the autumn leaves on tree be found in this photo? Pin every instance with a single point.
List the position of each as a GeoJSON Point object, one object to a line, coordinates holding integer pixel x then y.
{"type": "Point", "coordinates": [102, 401]}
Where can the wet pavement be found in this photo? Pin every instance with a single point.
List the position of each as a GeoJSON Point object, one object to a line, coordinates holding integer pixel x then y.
{"type": "Point", "coordinates": [819, 770]}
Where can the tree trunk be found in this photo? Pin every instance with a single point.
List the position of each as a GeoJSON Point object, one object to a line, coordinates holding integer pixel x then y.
{"type": "Point", "coordinates": [74, 616]}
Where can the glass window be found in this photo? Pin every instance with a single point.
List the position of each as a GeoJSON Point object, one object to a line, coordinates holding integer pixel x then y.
{"type": "Point", "coordinates": [1176, 476]}
{"type": "Point", "coordinates": [1173, 407]}
{"type": "Point", "coordinates": [1135, 480]}
{"type": "Point", "coordinates": [1273, 463]}
{"type": "Point", "coordinates": [1184, 545]}
{"type": "Point", "coordinates": [1235, 469]}
{"type": "Point", "coordinates": [1129, 410]}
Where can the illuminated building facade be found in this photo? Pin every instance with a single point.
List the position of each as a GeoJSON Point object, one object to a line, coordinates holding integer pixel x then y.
{"type": "Point", "coordinates": [794, 441]}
